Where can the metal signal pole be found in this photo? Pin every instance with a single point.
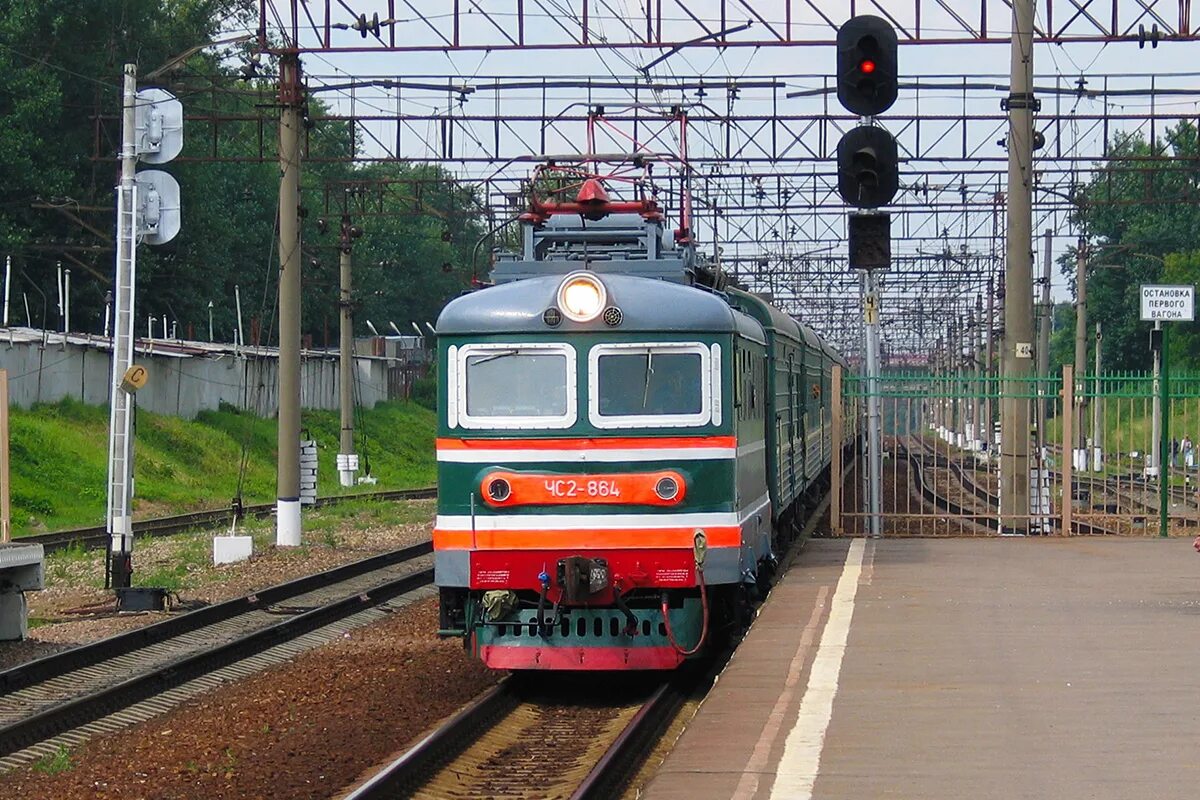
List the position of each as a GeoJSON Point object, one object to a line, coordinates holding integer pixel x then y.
{"type": "Point", "coordinates": [120, 422]}
{"type": "Point", "coordinates": [874, 414]}
{"type": "Point", "coordinates": [1098, 412]}
{"type": "Point", "coordinates": [1018, 307]}
{"type": "Point", "coordinates": [291, 99]}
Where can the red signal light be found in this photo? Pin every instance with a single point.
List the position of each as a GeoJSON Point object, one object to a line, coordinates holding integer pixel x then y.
{"type": "Point", "coordinates": [866, 66]}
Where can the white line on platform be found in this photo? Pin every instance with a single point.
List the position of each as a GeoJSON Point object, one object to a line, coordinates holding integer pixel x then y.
{"type": "Point", "coordinates": [801, 759]}
{"type": "Point", "coordinates": [748, 785]}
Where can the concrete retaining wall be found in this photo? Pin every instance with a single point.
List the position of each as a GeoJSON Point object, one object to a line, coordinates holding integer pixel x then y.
{"type": "Point", "coordinates": [185, 378]}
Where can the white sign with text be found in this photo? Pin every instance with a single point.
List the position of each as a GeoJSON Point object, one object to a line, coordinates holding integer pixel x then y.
{"type": "Point", "coordinates": [1168, 303]}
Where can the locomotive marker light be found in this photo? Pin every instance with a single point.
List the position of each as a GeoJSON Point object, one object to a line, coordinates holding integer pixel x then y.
{"type": "Point", "coordinates": [666, 488]}
{"type": "Point", "coordinates": [498, 490]}
{"type": "Point", "coordinates": [581, 297]}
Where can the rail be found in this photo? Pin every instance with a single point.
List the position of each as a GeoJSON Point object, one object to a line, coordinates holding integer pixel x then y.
{"type": "Point", "coordinates": [931, 495]}
{"type": "Point", "coordinates": [113, 674]}
{"type": "Point", "coordinates": [454, 753]}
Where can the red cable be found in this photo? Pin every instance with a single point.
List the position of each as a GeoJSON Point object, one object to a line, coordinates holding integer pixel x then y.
{"type": "Point", "coordinates": [703, 625]}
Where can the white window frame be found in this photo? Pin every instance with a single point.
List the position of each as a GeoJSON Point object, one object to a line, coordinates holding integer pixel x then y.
{"type": "Point", "coordinates": [458, 369]}
{"type": "Point", "coordinates": [703, 417]}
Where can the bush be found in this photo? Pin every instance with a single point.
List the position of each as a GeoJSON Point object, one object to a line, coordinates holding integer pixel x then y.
{"type": "Point", "coordinates": [424, 392]}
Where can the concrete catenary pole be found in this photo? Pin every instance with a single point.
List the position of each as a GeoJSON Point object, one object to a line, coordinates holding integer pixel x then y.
{"type": "Point", "coordinates": [287, 526]}
{"type": "Point", "coordinates": [952, 363]}
{"type": "Point", "coordinates": [1043, 348]}
{"type": "Point", "coordinates": [120, 420]}
{"type": "Point", "coordinates": [971, 370]}
{"type": "Point", "coordinates": [977, 357]}
{"type": "Point", "coordinates": [7, 285]}
{"type": "Point", "coordinates": [989, 385]}
{"type": "Point", "coordinates": [1018, 307]}
{"type": "Point", "coordinates": [1080, 403]}
{"type": "Point", "coordinates": [347, 460]}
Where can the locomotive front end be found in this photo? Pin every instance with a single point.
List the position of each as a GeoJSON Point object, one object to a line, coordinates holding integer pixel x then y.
{"type": "Point", "coordinates": [588, 474]}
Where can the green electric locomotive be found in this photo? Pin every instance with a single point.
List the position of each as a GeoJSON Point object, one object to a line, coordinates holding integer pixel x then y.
{"type": "Point", "coordinates": [623, 443]}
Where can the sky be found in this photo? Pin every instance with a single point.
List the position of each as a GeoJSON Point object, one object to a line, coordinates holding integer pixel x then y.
{"type": "Point", "coordinates": [1122, 65]}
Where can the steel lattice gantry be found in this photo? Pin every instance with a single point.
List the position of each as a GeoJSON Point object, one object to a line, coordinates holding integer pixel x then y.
{"type": "Point", "coordinates": [498, 25]}
{"type": "Point", "coordinates": [759, 157]}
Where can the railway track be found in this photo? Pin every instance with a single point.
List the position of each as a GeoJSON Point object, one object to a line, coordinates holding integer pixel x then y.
{"type": "Point", "coordinates": [931, 494]}
{"type": "Point", "coordinates": [569, 737]}
{"type": "Point", "coordinates": [550, 736]}
{"type": "Point", "coordinates": [62, 699]}
{"type": "Point", "coordinates": [96, 536]}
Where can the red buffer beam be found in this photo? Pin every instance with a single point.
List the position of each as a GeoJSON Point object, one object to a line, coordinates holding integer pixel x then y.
{"type": "Point", "coordinates": [497, 25]}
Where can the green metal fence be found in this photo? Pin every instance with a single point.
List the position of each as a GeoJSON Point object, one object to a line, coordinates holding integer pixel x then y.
{"type": "Point", "coordinates": [945, 465]}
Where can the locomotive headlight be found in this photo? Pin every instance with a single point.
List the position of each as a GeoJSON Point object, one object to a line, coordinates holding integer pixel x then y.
{"type": "Point", "coordinates": [582, 296]}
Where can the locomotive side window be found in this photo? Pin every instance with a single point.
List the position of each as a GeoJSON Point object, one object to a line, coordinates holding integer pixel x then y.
{"type": "Point", "coordinates": [516, 385]}
{"type": "Point", "coordinates": [639, 385]}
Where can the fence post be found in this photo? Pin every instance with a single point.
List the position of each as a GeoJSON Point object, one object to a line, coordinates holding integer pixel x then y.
{"type": "Point", "coordinates": [835, 468]}
{"type": "Point", "coordinates": [1164, 464]}
{"type": "Point", "coordinates": [1068, 445]}
{"type": "Point", "coordinates": [5, 485]}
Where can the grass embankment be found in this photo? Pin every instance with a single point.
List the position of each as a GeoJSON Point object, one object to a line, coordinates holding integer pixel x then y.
{"type": "Point", "coordinates": [60, 455]}
{"type": "Point", "coordinates": [184, 561]}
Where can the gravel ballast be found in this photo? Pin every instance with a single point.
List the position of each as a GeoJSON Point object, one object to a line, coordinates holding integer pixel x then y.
{"type": "Point", "coordinates": [299, 731]}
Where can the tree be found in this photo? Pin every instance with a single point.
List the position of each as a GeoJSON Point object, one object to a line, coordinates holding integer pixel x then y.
{"type": "Point", "coordinates": [1140, 210]}
{"type": "Point", "coordinates": [64, 61]}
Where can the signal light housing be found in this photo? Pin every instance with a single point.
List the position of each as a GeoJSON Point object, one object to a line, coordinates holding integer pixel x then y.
{"type": "Point", "coordinates": [866, 65]}
{"type": "Point", "coordinates": [868, 167]}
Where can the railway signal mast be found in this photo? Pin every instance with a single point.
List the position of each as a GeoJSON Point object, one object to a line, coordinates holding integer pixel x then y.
{"type": "Point", "coordinates": [869, 177]}
{"type": "Point", "coordinates": [147, 212]}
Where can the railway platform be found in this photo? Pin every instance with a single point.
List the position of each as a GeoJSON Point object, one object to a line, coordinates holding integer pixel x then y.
{"type": "Point", "coordinates": [950, 668]}
{"type": "Point", "coordinates": [22, 569]}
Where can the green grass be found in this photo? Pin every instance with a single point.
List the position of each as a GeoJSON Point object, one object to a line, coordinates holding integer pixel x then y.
{"type": "Point", "coordinates": [59, 454]}
{"type": "Point", "coordinates": [190, 561]}
{"type": "Point", "coordinates": [59, 761]}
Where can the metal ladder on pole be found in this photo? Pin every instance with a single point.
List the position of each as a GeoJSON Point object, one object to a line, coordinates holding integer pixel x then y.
{"type": "Point", "coordinates": [120, 477]}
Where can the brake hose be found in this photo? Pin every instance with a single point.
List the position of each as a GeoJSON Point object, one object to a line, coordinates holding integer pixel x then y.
{"type": "Point", "coordinates": [699, 551]}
